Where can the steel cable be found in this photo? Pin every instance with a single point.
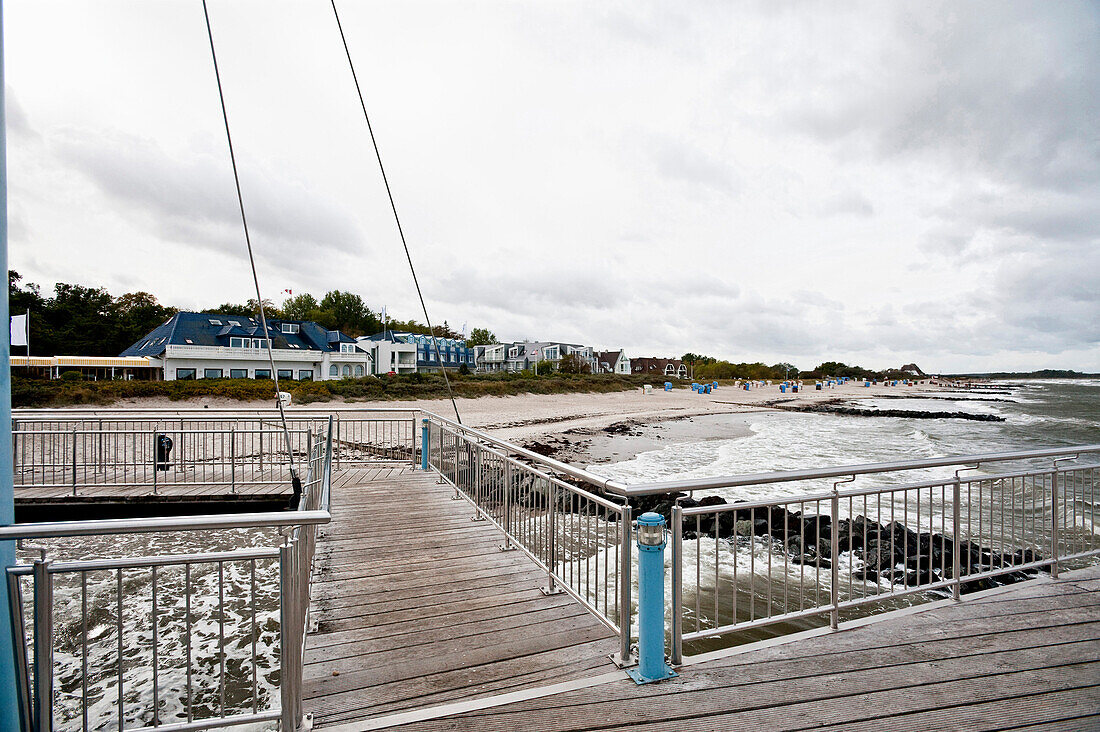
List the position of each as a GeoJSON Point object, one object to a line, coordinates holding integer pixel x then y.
{"type": "Point", "coordinates": [252, 262]}
{"type": "Point", "coordinates": [393, 206]}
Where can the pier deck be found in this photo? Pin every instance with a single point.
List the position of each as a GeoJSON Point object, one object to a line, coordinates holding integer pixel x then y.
{"type": "Point", "coordinates": [1027, 657]}
{"type": "Point", "coordinates": [416, 606]}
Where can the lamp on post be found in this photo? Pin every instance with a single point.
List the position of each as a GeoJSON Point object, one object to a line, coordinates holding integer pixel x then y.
{"type": "Point", "coordinates": [651, 601]}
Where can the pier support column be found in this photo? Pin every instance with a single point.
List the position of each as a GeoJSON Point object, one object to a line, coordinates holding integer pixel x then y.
{"type": "Point", "coordinates": [9, 714]}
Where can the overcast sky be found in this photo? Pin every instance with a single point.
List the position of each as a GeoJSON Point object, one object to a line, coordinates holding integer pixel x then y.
{"type": "Point", "coordinates": [875, 182]}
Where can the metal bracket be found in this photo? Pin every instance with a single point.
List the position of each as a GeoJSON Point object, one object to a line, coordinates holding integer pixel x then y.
{"type": "Point", "coordinates": [837, 484]}
{"type": "Point", "coordinates": [1054, 465]}
{"type": "Point", "coordinates": [617, 659]}
{"type": "Point", "coordinates": [548, 591]}
{"type": "Point", "coordinates": [24, 546]}
{"type": "Point", "coordinates": [975, 466]}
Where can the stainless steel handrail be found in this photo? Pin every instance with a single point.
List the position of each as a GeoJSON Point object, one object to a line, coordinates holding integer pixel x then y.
{"type": "Point", "coordinates": [265, 519]}
{"type": "Point", "coordinates": [787, 476]}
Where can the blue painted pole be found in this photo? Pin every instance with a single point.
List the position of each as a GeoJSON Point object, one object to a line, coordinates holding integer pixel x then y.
{"type": "Point", "coordinates": [651, 601]}
{"type": "Point", "coordinates": [9, 708]}
{"type": "Point", "coordinates": [424, 446]}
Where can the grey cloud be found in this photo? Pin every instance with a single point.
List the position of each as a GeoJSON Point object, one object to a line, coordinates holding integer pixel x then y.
{"type": "Point", "coordinates": [191, 200]}
{"type": "Point", "coordinates": [681, 162]}
{"type": "Point", "coordinates": [850, 202]}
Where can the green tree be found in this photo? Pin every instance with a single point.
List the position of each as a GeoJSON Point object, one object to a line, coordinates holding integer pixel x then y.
{"type": "Point", "coordinates": [571, 363]}
{"type": "Point", "coordinates": [350, 314]}
{"type": "Point", "coordinates": [301, 307]}
{"type": "Point", "coordinates": [480, 337]}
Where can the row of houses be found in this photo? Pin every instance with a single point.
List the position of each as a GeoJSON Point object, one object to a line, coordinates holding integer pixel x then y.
{"type": "Point", "coordinates": [212, 346]}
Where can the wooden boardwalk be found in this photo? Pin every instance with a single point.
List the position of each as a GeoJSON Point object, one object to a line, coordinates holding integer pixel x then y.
{"type": "Point", "coordinates": [1027, 657]}
{"type": "Point", "coordinates": [416, 606]}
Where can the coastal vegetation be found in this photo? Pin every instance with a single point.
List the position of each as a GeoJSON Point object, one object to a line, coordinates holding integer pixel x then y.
{"type": "Point", "coordinates": [89, 321]}
{"type": "Point", "coordinates": [71, 389]}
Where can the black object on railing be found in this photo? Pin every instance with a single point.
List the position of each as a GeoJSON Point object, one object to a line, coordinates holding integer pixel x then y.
{"type": "Point", "coordinates": [164, 451]}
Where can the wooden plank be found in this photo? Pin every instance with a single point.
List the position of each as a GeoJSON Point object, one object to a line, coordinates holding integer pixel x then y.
{"type": "Point", "coordinates": [419, 606]}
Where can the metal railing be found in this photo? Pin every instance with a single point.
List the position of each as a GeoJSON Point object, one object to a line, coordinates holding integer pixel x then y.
{"type": "Point", "coordinates": [581, 540]}
{"type": "Point", "coordinates": [180, 641]}
{"type": "Point", "coordinates": [119, 448]}
{"type": "Point", "coordinates": [740, 566]}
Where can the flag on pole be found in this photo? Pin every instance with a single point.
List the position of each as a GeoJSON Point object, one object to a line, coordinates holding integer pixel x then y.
{"type": "Point", "coordinates": [289, 292]}
{"type": "Point", "coordinates": [383, 313]}
{"type": "Point", "coordinates": [464, 328]}
{"type": "Point", "coordinates": [20, 329]}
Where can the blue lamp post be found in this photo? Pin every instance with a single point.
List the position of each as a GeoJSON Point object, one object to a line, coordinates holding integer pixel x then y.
{"type": "Point", "coordinates": [424, 437]}
{"type": "Point", "coordinates": [651, 601]}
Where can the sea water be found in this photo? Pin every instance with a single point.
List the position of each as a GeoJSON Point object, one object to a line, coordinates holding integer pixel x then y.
{"type": "Point", "coordinates": [1036, 414]}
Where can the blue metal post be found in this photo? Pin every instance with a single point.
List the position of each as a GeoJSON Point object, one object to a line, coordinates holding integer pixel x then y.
{"type": "Point", "coordinates": [9, 709]}
{"type": "Point", "coordinates": [424, 446]}
{"type": "Point", "coordinates": [651, 601]}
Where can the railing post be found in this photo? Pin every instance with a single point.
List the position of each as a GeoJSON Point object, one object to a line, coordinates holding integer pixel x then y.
{"type": "Point", "coordinates": [507, 546]}
{"type": "Point", "coordinates": [440, 454]}
{"type": "Point", "coordinates": [286, 612]}
{"type": "Point", "coordinates": [156, 466]}
{"type": "Point", "coordinates": [1054, 538]}
{"type": "Point", "coordinates": [626, 538]}
{"type": "Point", "coordinates": [834, 584]}
{"type": "Point", "coordinates": [454, 469]}
{"type": "Point", "coordinates": [424, 444]}
{"type": "Point", "coordinates": [552, 560]}
{"type": "Point", "coordinates": [233, 460]}
{"type": "Point", "coordinates": [956, 550]}
{"type": "Point", "coordinates": [412, 437]}
{"type": "Point", "coordinates": [262, 449]}
{"type": "Point", "coordinates": [677, 584]}
{"type": "Point", "coordinates": [43, 646]}
{"type": "Point", "coordinates": [651, 601]}
{"type": "Point", "coordinates": [74, 462]}
{"type": "Point", "coordinates": [478, 499]}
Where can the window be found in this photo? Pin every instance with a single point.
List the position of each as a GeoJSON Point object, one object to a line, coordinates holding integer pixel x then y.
{"type": "Point", "coordinates": [189, 341]}
{"type": "Point", "coordinates": [333, 370]}
{"type": "Point", "coordinates": [215, 322]}
{"type": "Point", "coordinates": [211, 373]}
{"type": "Point", "coordinates": [513, 352]}
{"type": "Point", "coordinates": [185, 374]}
{"type": "Point", "coordinates": [347, 371]}
{"type": "Point", "coordinates": [347, 348]}
{"type": "Point", "coordinates": [234, 322]}
{"type": "Point", "coordinates": [305, 375]}
{"type": "Point", "coordinates": [286, 373]}
{"type": "Point", "coordinates": [290, 327]}
{"type": "Point", "coordinates": [358, 370]}
{"type": "Point", "coordinates": [259, 343]}
{"type": "Point", "coordinates": [238, 373]}
{"type": "Point", "coordinates": [263, 373]}
{"type": "Point", "coordinates": [238, 343]}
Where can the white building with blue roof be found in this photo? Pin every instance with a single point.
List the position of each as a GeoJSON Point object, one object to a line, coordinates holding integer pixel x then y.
{"type": "Point", "coordinates": [212, 346]}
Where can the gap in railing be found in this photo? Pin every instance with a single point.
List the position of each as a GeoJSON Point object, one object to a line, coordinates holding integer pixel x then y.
{"type": "Point", "coordinates": [95, 510]}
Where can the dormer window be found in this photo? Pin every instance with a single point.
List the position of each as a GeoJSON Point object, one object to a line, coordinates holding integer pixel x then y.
{"type": "Point", "coordinates": [513, 352]}
{"type": "Point", "coordinates": [290, 328]}
{"type": "Point", "coordinates": [347, 348]}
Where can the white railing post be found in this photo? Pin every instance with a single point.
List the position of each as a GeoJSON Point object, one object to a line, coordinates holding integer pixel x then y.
{"type": "Point", "coordinates": [233, 460]}
{"type": "Point", "coordinates": [74, 462]}
{"type": "Point", "coordinates": [677, 584]}
{"type": "Point", "coordinates": [43, 646]}
{"type": "Point", "coordinates": [956, 549]}
{"type": "Point", "coordinates": [1054, 528]}
{"type": "Point", "coordinates": [507, 546]}
{"type": "Point", "coordinates": [286, 641]}
{"type": "Point", "coordinates": [626, 538]}
{"type": "Point", "coordinates": [834, 540]}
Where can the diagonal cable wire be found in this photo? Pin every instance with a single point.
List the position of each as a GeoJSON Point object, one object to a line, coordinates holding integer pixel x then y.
{"type": "Point", "coordinates": [251, 259]}
{"type": "Point", "coordinates": [393, 206]}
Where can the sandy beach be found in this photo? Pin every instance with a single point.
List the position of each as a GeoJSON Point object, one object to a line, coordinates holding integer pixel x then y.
{"type": "Point", "coordinates": [597, 427]}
